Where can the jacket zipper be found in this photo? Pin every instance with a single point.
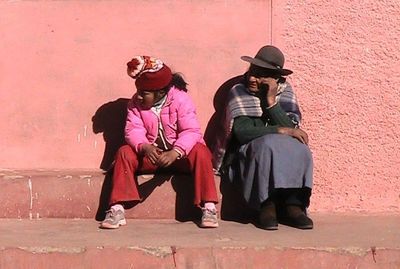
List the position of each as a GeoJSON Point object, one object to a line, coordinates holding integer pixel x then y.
{"type": "Point", "coordinates": [161, 129]}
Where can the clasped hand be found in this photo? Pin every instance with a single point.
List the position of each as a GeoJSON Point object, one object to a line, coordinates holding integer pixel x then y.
{"type": "Point", "coordinates": [158, 157]}
{"type": "Point", "coordinates": [297, 133]}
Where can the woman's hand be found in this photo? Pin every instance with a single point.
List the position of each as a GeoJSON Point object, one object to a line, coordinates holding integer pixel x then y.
{"type": "Point", "coordinates": [297, 133]}
{"type": "Point", "coordinates": [151, 152]}
{"type": "Point", "coordinates": [272, 89]}
{"type": "Point", "coordinates": [167, 158]}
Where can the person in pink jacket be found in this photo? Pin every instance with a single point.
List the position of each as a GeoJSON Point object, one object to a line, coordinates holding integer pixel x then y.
{"type": "Point", "coordinates": [163, 133]}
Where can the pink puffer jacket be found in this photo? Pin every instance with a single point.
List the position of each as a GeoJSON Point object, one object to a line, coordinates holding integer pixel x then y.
{"type": "Point", "coordinates": [178, 118]}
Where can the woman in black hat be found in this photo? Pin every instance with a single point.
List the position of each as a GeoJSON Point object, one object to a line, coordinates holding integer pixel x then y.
{"type": "Point", "coordinates": [267, 155]}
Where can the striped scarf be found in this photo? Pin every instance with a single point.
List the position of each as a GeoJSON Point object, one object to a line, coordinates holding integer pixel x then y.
{"type": "Point", "coordinates": [242, 102]}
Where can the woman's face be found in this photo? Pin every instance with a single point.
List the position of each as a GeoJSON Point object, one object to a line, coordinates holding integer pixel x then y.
{"type": "Point", "coordinates": [257, 76]}
{"type": "Point", "coordinates": [147, 99]}
{"type": "Point", "coordinates": [254, 83]}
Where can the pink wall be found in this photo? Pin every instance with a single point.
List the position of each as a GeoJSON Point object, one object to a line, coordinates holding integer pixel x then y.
{"type": "Point", "coordinates": [346, 58]}
{"type": "Point", "coordinates": [61, 60]}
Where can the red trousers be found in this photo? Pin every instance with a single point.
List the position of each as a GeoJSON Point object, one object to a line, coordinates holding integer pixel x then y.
{"type": "Point", "coordinates": [128, 164]}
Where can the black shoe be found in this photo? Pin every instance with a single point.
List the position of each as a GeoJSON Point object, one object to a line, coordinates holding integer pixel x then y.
{"type": "Point", "coordinates": [300, 222]}
{"type": "Point", "coordinates": [269, 224]}
{"type": "Point", "coordinates": [296, 218]}
{"type": "Point", "coordinates": [267, 218]}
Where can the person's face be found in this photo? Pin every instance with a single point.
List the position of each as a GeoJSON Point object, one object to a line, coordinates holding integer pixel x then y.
{"type": "Point", "coordinates": [257, 76]}
{"type": "Point", "coordinates": [147, 99]}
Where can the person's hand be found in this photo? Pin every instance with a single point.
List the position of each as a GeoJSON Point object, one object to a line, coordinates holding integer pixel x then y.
{"type": "Point", "coordinates": [167, 158]}
{"type": "Point", "coordinates": [272, 89]}
{"type": "Point", "coordinates": [151, 152]}
{"type": "Point", "coordinates": [297, 133]}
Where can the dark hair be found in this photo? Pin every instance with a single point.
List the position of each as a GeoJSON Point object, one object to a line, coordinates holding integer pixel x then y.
{"type": "Point", "coordinates": [178, 81]}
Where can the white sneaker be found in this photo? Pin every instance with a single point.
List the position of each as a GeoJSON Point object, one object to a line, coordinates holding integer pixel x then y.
{"type": "Point", "coordinates": [209, 218]}
{"type": "Point", "coordinates": [114, 219]}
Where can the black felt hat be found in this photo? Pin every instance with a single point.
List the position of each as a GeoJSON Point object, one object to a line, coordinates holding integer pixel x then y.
{"type": "Point", "coordinates": [269, 57]}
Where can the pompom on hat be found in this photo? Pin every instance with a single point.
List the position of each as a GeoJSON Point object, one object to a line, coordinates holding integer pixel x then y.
{"type": "Point", "coordinates": [269, 57]}
{"type": "Point", "coordinates": [151, 74]}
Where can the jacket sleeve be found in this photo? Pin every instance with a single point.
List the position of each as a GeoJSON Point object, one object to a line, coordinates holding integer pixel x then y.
{"type": "Point", "coordinates": [277, 116]}
{"type": "Point", "coordinates": [188, 126]}
{"type": "Point", "coordinates": [245, 129]}
{"type": "Point", "coordinates": [135, 132]}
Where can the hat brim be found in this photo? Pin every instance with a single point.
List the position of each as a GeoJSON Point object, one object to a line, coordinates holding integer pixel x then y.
{"type": "Point", "coordinates": [261, 63]}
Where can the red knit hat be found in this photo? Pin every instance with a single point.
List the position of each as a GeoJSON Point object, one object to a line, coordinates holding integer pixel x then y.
{"type": "Point", "coordinates": [151, 74]}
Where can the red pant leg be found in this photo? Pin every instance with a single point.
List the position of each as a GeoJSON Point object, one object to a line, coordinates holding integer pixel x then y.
{"type": "Point", "coordinates": [199, 164]}
{"type": "Point", "coordinates": [124, 183]}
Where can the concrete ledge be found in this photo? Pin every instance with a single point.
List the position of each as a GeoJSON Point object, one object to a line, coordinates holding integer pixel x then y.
{"type": "Point", "coordinates": [338, 241]}
{"type": "Point", "coordinates": [35, 194]}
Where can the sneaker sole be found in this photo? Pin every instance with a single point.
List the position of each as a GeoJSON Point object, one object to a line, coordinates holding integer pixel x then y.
{"type": "Point", "coordinates": [269, 228]}
{"type": "Point", "coordinates": [113, 226]}
{"type": "Point", "coordinates": [209, 225]}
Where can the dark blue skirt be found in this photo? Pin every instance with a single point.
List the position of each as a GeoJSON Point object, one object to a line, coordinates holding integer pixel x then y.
{"type": "Point", "coordinates": [273, 161]}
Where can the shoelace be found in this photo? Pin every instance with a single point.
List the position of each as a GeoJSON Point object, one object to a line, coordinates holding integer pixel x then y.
{"type": "Point", "coordinates": [208, 213]}
{"type": "Point", "coordinates": [112, 212]}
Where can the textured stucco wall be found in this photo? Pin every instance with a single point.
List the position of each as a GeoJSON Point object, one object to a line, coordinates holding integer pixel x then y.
{"type": "Point", "coordinates": [62, 60]}
{"type": "Point", "coordinates": [345, 55]}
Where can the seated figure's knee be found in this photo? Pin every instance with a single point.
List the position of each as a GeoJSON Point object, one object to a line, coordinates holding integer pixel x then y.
{"type": "Point", "coordinates": [202, 149]}
{"type": "Point", "coordinates": [126, 152]}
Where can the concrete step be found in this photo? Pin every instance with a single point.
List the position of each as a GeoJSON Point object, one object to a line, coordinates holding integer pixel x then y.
{"type": "Point", "coordinates": [35, 194]}
{"type": "Point", "coordinates": [337, 241]}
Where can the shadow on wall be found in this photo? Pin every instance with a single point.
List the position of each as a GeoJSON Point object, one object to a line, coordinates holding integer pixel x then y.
{"type": "Point", "coordinates": [220, 101]}
{"type": "Point", "coordinates": [109, 119]}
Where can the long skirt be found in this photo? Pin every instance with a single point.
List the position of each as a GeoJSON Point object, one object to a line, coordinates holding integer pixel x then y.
{"type": "Point", "coordinates": [272, 162]}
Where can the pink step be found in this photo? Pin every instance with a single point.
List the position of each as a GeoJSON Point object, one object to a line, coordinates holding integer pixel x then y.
{"type": "Point", "coordinates": [35, 194]}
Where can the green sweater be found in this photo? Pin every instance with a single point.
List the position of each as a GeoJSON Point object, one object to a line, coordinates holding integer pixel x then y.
{"type": "Point", "coordinates": [246, 128]}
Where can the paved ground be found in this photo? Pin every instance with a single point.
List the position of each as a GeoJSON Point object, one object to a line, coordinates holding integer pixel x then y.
{"type": "Point", "coordinates": [334, 231]}
{"type": "Point", "coordinates": [350, 241]}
